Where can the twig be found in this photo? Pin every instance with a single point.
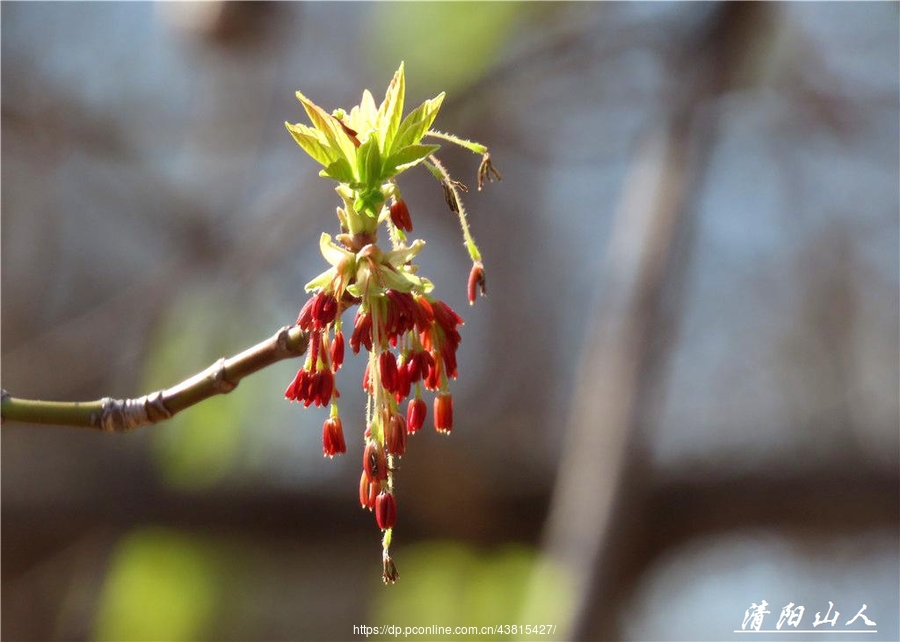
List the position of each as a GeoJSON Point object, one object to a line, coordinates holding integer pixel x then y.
{"type": "Point", "coordinates": [122, 415]}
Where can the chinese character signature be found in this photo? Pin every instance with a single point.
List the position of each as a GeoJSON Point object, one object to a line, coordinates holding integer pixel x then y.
{"type": "Point", "coordinates": [792, 614]}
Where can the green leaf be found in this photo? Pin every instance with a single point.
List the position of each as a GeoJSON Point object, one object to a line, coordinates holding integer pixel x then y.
{"type": "Point", "coordinates": [426, 285]}
{"type": "Point", "coordinates": [408, 157]}
{"type": "Point", "coordinates": [369, 201]}
{"type": "Point", "coordinates": [391, 110]}
{"type": "Point", "coordinates": [368, 163]}
{"type": "Point", "coordinates": [321, 281]}
{"type": "Point", "coordinates": [393, 280]}
{"type": "Point", "coordinates": [420, 284]}
{"type": "Point", "coordinates": [417, 123]}
{"type": "Point", "coordinates": [307, 139]}
{"type": "Point", "coordinates": [329, 127]}
{"type": "Point", "coordinates": [340, 171]}
{"type": "Point", "coordinates": [367, 109]}
{"type": "Point", "coordinates": [405, 254]}
{"type": "Point", "coordinates": [334, 253]}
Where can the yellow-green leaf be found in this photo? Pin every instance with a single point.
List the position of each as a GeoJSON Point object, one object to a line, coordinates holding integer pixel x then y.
{"type": "Point", "coordinates": [408, 157]}
{"type": "Point", "coordinates": [417, 123]}
{"type": "Point", "coordinates": [391, 280]}
{"type": "Point", "coordinates": [329, 126]}
{"type": "Point", "coordinates": [405, 254]}
{"type": "Point", "coordinates": [334, 253]}
{"type": "Point", "coordinates": [367, 107]}
{"type": "Point", "coordinates": [368, 163]}
{"type": "Point", "coordinates": [340, 171]}
{"type": "Point", "coordinates": [391, 110]}
{"type": "Point", "coordinates": [362, 116]}
{"type": "Point", "coordinates": [311, 144]}
{"type": "Point", "coordinates": [321, 281]}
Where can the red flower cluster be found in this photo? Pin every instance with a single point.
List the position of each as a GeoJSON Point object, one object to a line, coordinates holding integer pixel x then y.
{"type": "Point", "coordinates": [314, 383]}
{"type": "Point", "coordinates": [412, 340]}
{"type": "Point", "coordinates": [411, 337]}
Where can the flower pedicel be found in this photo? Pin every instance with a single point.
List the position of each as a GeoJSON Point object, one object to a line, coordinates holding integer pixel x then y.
{"type": "Point", "coordinates": [410, 336]}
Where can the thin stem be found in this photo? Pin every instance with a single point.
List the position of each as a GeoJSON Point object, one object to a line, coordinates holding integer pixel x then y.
{"type": "Point", "coordinates": [122, 415]}
{"type": "Point", "coordinates": [451, 192]}
{"type": "Point", "coordinates": [472, 146]}
{"type": "Point", "coordinates": [486, 170]}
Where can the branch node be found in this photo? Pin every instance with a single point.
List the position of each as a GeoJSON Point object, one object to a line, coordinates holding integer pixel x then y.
{"type": "Point", "coordinates": [220, 382]}
{"type": "Point", "coordinates": [112, 416]}
{"type": "Point", "coordinates": [290, 346]}
{"type": "Point", "coordinates": [155, 407]}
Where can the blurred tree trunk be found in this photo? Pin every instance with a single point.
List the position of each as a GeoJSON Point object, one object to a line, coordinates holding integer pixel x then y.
{"type": "Point", "coordinates": [601, 497]}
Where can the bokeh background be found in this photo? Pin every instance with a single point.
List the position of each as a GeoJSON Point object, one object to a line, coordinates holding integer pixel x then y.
{"type": "Point", "coordinates": [680, 396]}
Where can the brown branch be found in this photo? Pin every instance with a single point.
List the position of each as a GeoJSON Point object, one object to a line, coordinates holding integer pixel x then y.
{"type": "Point", "coordinates": [123, 415]}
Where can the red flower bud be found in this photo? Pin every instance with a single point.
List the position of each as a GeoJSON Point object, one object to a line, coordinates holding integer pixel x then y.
{"type": "Point", "coordinates": [333, 437]}
{"type": "Point", "coordinates": [433, 374]}
{"type": "Point", "coordinates": [403, 384]}
{"type": "Point", "coordinates": [324, 309]}
{"type": "Point", "coordinates": [446, 317]}
{"type": "Point", "coordinates": [368, 491]}
{"type": "Point", "coordinates": [315, 343]}
{"type": "Point", "coordinates": [385, 510]}
{"type": "Point", "coordinates": [414, 367]}
{"type": "Point", "coordinates": [448, 356]}
{"type": "Point", "coordinates": [425, 315]}
{"type": "Point", "coordinates": [337, 351]}
{"type": "Point", "coordinates": [443, 412]}
{"type": "Point", "coordinates": [415, 415]}
{"type": "Point", "coordinates": [362, 332]}
{"type": "Point", "coordinates": [388, 367]}
{"type": "Point", "coordinates": [395, 435]}
{"type": "Point", "coordinates": [304, 319]}
{"type": "Point", "coordinates": [400, 215]}
{"type": "Point", "coordinates": [295, 391]}
{"type": "Point", "coordinates": [476, 281]}
{"type": "Point", "coordinates": [365, 382]}
{"type": "Point", "coordinates": [324, 387]}
{"type": "Point", "coordinates": [374, 462]}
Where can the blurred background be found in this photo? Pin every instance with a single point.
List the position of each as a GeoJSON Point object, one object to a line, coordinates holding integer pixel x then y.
{"type": "Point", "coordinates": [679, 398]}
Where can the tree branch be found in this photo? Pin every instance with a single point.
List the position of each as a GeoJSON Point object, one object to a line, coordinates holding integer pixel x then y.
{"type": "Point", "coordinates": [122, 415]}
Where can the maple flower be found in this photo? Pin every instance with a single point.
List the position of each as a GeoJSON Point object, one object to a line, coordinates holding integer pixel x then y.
{"type": "Point", "coordinates": [333, 437]}
{"type": "Point", "coordinates": [415, 415]}
{"type": "Point", "coordinates": [400, 215]}
{"type": "Point", "coordinates": [410, 337]}
{"type": "Point", "coordinates": [443, 412]}
{"type": "Point", "coordinates": [385, 510]}
{"type": "Point", "coordinates": [476, 281]}
{"type": "Point", "coordinates": [368, 491]}
{"type": "Point", "coordinates": [395, 437]}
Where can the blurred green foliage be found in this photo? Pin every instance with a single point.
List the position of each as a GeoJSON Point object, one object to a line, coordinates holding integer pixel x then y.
{"type": "Point", "coordinates": [446, 45]}
{"type": "Point", "coordinates": [199, 447]}
{"type": "Point", "coordinates": [452, 584]}
{"type": "Point", "coordinates": [161, 585]}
